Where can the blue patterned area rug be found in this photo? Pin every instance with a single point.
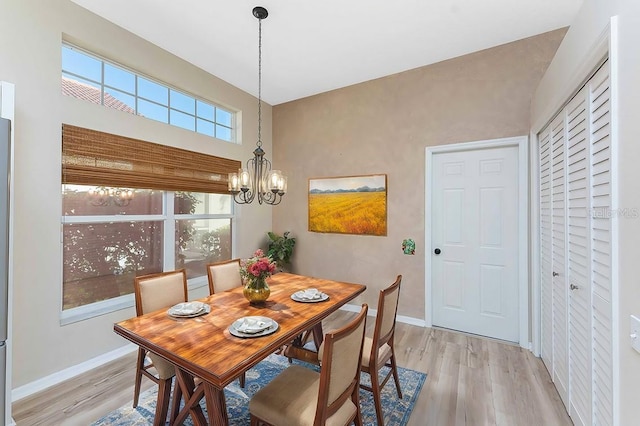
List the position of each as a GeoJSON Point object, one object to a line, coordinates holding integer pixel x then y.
{"type": "Point", "coordinates": [396, 411]}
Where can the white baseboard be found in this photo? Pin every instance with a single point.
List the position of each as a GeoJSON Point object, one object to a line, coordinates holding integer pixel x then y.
{"type": "Point", "coordinates": [399, 318]}
{"type": "Point", "coordinates": [68, 373]}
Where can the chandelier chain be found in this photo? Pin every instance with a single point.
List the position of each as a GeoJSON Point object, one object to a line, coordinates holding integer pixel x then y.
{"type": "Point", "coordinates": [259, 82]}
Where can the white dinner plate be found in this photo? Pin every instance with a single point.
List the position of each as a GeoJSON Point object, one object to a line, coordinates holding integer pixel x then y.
{"type": "Point", "coordinates": [298, 297]}
{"type": "Point", "coordinates": [253, 327]}
{"type": "Point", "coordinates": [189, 309]}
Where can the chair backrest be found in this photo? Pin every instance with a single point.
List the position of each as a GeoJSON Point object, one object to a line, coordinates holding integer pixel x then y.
{"type": "Point", "coordinates": [340, 372]}
{"type": "Point", "coordinates": [161, 290]}
{"type": "Point", "coordinates": [224, 275]}
{"type": "Point", "coordinates": [386, 315]}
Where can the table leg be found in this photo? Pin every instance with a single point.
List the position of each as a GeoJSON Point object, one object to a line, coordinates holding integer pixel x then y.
{"type": "Point", "coordinates": [192, 396]}
{"type": "Point", "coordinates": [216, 405]}
{"type": "Point", "coordinates": [318, 335]}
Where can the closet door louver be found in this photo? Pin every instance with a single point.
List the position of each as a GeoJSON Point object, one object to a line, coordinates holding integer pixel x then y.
{"type": "Point", "coordinates": [546, 252]}
{"type": "Point", "coordinates": [601, 213]}
{"type": "Point", "coordinates": [579, 280]}
{"type": "Point", "coordinates": [576, 252]}
{"type": "Point", "coordinates": [558, 238]}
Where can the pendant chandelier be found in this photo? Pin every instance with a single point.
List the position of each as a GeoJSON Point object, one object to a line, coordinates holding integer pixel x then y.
{"type": "Point", "coordinates": [257, 180]}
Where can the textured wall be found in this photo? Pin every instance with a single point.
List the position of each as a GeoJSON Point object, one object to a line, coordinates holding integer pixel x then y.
{"type": "Point", "coordinates": [384, 126]}
{"type": "Point", "coordinates": [31, 59]}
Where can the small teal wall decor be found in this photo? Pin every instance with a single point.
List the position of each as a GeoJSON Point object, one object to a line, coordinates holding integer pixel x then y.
{"type": "Point", "coordinates": [409, 246]}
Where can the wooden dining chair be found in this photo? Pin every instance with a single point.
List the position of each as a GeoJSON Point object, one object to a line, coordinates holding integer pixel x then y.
{"type": "Point", "coordinates": [378, 351]}
{"type": "Point", "coordinates": [154, 292]}
{"type": "Point", "coordinates": [224, 275]}
{"type": "Point", "coordinates": [300, 394]}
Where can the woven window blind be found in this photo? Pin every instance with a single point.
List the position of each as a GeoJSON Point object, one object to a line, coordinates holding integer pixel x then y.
{"type": "Point", "coordinates": [90, 157]}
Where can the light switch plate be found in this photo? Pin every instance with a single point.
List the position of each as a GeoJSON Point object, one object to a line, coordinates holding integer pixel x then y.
{"type": "Point", "coordinates": [635, 333]}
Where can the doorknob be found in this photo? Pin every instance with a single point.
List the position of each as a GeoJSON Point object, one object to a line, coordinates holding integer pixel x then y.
{"type": "Point", "coordinates": [573, 287]}
{"type": "Point", "coordinates": [555, 274]}
{"type": "Point", "coordinates": [437, 251]}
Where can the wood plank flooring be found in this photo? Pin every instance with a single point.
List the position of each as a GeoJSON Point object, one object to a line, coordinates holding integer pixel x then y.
{"type": "Point", "coordinates": [471, 381]}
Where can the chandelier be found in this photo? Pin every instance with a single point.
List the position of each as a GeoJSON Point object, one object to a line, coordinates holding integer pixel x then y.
{"type": "Point", "coordinates": [258, 180]}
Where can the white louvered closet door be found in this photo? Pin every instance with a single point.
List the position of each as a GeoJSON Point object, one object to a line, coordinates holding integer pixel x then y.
{"type": "Point", "coordinates": [579, 278]}
{"type": "Point", "coordinates": [559, 275]}
{"type": "Point", "coordinates": [600, 135]}
{"type": "Point", "coordinates": [576, 252]}
{"type": "Point", "coordinates": [546, 252]}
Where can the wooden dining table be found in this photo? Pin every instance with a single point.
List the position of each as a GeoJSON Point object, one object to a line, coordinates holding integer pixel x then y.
{"type": "Point", "coordinates": [204, 351]}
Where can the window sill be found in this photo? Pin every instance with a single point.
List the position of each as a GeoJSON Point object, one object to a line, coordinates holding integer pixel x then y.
{"type": "Point", "coordinates": [93, 310]}
{"type": "Point", "coordinates": [97, 309]}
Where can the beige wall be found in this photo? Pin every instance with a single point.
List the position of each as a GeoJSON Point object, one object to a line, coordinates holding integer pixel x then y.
{"type": "Point", "coordinates": [383, 126]}
{"type": "Point", "coordinates": [563, 72]}
{"type": "Point", "coordinates": [30, 57]}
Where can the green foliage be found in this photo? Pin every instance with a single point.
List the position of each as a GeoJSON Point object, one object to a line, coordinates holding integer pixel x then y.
{"type": "Point", "coordinates": [280, 248]}
{"type": "Point", "coordinates": [186, 204]}
{"type": "Point", "coordinates": [214, 247]}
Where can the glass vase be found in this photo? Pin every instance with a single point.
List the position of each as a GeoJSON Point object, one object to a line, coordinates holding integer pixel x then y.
{"type": "Point", "coordinates": [256, 290]}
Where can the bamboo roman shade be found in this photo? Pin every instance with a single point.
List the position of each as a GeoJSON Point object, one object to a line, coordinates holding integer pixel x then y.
{"type": "Point", "coordinates": [90, 157]}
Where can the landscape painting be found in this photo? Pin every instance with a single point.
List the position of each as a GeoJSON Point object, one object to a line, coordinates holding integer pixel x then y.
{"type": "Point", "coordinates": [348, 205]}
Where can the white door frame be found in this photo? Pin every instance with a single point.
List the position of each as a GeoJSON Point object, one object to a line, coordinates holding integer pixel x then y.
{"type": "Point", "coordinates": [522, 143]}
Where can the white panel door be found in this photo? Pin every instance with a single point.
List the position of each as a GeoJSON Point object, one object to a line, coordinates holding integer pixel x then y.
{"type": "Point", "coordinates": [559, 275]}
{"type": "Point", "coordinates": [579, 279]}
{"type": "Point", "coordinates": [475, 241]}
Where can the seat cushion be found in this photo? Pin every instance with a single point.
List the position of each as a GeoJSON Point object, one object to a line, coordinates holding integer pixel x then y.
{"type": "Point", "coordinates": [165, 369]}
{"type": "Point", "coordinates": [291, 399]}
{"type": "Point", "coordinates": [384, 354]}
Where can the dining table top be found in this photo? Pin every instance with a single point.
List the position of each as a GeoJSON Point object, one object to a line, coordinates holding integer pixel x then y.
{"type": "Point", "coordinates": [203, 345]}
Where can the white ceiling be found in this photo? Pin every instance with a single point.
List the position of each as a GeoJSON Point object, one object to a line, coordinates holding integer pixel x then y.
{"type": "Point", "coordinates": [311, 47]}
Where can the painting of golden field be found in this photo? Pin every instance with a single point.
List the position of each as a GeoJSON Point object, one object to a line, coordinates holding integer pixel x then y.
{"type": "Point", "coordinates": [349, 205]}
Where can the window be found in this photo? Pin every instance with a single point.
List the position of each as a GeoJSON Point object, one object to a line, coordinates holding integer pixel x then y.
{"type": "Point", "coordinates": [132, 207]}
{"type": "Point", "coordinates": [110, 235]}
{"type": "Point", "coordinates": [88, 77]}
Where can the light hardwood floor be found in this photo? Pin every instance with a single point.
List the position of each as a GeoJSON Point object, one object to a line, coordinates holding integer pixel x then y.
{"type": "Point", "coordinates": [470, 381]}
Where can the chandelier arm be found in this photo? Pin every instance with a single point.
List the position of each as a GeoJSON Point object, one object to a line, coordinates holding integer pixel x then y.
{"type": "Point", "coordinates": [271, 198]}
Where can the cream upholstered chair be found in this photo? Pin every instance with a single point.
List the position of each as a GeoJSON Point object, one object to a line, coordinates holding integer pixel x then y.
{"type": "Point", "coordinates": [153, 292]}
{"type": "Point", "coordinates": [378, 351]}
{"type": "Point", "coordinates": [300, 396]}
{"type": "Point", "coordinates": [224, 275]}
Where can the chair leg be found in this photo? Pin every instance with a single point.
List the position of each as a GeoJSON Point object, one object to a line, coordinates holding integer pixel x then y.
{"type": "Point", "coordinates": [375, 386]}
{"type": "Point", "coordinates": [138, 382]}
{"type": "Point", "coordinates": [242, 380]}
{"type": "Point", "coordinates": [394, 369]}
{"type": "Point", "coordinates": [355, 397]}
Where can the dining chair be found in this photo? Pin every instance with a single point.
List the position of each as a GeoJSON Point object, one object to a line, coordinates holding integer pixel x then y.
{"type": "Point", "coordinates": [301, 396]}
{"type": "Point", "coordinates": [154, 292]}
{"type": "Point", "coordinates": [378, 352]}
{"type": "Point", "coordinates": [224, 275]}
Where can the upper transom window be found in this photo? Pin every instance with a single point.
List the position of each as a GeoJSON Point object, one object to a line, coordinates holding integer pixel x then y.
{"type": "Point", "coordinates": [88, 77]}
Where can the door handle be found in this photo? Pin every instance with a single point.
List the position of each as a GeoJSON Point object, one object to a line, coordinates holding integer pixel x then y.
{"type": "Point", "coordinates": [555, 274]}
{"type": "Point", "coordinates": [437, 251]}
{"type": "Point", "coordinates": [573, 287]}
